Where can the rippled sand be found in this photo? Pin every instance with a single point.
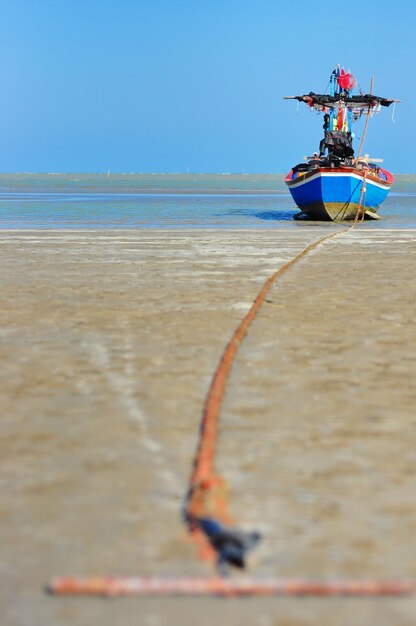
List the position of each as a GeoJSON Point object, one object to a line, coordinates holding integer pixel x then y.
{"type": "Point", "coordinates": [108, 343]}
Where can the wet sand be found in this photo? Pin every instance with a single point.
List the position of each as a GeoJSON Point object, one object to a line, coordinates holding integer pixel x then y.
{"type": "Point", "coordinates": [108, 343]}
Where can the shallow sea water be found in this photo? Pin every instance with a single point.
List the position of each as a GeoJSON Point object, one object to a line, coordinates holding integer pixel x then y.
{"type": "Point", "coordinates": [243, 201]}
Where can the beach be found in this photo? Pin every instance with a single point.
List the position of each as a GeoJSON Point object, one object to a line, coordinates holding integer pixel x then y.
{"type": "Point", "coordinates": [109, 339]}
{"type": "Point", "coordinates": [207, 378]}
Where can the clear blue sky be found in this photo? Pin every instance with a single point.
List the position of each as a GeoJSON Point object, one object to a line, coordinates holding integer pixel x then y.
{"type": "Point", "coordinates": [172, 85]}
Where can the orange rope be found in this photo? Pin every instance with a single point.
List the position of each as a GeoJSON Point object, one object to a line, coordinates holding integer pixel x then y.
{"type": "Point", "coordinates": [207, 495]}
{"type": "Point", "coordinates": [115, 586]}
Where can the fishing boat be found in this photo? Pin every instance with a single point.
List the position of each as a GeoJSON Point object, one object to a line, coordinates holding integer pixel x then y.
{"type": "Point", "coordinates": [334, 184]}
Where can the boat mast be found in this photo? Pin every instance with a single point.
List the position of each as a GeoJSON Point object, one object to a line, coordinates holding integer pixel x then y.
{"type": "Point", "coordinates": [349, 115]}
{"type": "Point", "coordinates": [341, 109]}
{"type": "Point", "coordinates": [332, 86]}
{"type": "Point", "coordinates": [340, 117]}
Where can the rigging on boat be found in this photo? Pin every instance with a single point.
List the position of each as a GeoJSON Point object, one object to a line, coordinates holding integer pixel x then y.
{"type": "Point", "coordinates": [340, 172]}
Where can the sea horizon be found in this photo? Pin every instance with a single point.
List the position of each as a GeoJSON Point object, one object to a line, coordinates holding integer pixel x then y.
{"type": "Point", "coordinates": [141, 173]}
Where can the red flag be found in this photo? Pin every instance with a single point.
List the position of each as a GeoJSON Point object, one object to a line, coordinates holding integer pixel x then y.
{"type": "Point", "coordinates": [346, 80]}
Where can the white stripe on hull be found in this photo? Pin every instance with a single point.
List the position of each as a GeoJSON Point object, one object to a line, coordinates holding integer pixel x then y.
{"type": "Point", "coordinates": [304, 181]}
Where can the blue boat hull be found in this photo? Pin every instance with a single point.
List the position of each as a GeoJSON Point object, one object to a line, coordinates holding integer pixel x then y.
{"type": "Point", "coordinates": [337, 193]}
